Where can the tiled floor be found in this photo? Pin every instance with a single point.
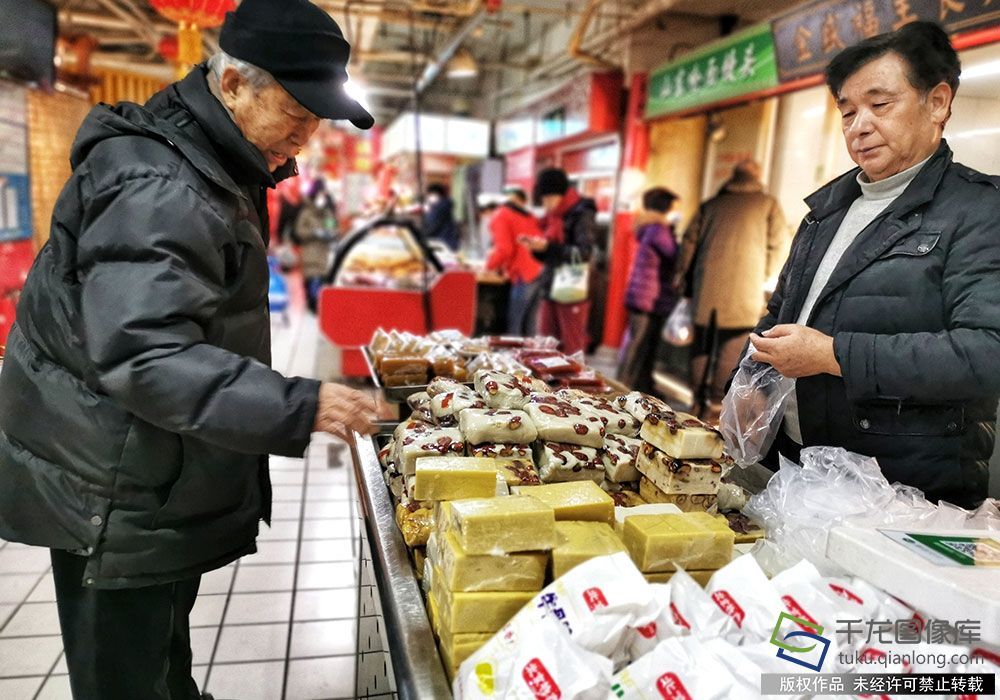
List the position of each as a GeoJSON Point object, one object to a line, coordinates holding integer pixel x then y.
{"type": "Point", "coordinates": [281, 624]}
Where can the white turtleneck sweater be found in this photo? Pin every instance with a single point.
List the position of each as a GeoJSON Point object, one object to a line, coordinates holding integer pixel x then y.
{"type": "Point", "coordinates": [875, 198]}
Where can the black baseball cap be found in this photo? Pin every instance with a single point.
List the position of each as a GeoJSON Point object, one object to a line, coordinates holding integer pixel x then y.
{"type": "Point", "coordinates": [302, 47]}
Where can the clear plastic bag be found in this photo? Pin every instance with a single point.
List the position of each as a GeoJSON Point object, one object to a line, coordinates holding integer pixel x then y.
{"type": "Point", "coordinates": [752, 410]}
{"type": "Point", "coordinates": [679, 328]}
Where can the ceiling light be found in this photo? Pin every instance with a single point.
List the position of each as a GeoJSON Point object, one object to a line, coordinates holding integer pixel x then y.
{"type": "Point", "coordinates": [462, 65]}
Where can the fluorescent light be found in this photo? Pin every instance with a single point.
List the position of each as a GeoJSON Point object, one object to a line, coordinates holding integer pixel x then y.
{"type": "Point", "coordinates": [981, 70]}
{"type": "Point", "coordinates": [357, 92]}
{"type": "Point", "coordinates": [462, 65]}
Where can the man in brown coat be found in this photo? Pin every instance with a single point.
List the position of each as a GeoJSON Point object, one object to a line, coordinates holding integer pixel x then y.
{"type": "Point", "coordinates": [732, 252]}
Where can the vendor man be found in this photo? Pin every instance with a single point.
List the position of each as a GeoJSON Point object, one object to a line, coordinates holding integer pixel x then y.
{"type": "Point", "coordinates": [137, 404]}
{"type": "Point", "coordinates": [887, 312]}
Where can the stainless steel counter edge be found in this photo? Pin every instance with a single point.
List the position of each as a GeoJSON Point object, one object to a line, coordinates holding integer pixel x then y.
{"type": "Point", "coordinates": [415, 660]}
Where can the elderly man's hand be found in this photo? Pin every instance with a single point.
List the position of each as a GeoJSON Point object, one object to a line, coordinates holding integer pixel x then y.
{"type": "Point", "coordinates": [796, 351]}
{"type": "Point", "coordinates": [343, 410]}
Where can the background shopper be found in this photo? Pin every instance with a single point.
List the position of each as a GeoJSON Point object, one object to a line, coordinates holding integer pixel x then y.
{"type": "Point", "coordinates": [315, 231]}
{"type": "Point", "coordinates": [509, 224]}
{"type": "Point", "coordinates": [568, 236]}
{"type": "Point", "coordinates": [735, 243]}
{"type": "Point", "coordinates": [137, 405]}
{"type": "Point", "coordinates": [650, 296]}
{"type": "Point", "coordinates": [439, 218]}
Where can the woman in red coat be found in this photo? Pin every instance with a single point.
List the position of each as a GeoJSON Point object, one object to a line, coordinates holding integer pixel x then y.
{"type": "Point", "coordinates": [510, 222]}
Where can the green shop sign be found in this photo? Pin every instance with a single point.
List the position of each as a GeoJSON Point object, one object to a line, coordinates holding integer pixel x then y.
{"type": "Point", "coordinates": [737, 65]}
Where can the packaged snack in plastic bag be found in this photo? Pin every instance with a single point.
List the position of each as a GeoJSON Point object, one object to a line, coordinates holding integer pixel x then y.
{"type": "Point", "coordinates": [677, 668]}
{"type": "Point", "coordinates": [644, 639]}
{"type": "Point", "coordinates": [746, 674]}
{"type": "Point", "coordinates": [692, 609]}
{"type": "Point", "coordinates": [741, 590]}
{"type": "Point", "coordinates": [533, 657]}
{"type": "Point", "coordinates": [752, 410]}
{"type": "Point", "coordinates": [679, 328]}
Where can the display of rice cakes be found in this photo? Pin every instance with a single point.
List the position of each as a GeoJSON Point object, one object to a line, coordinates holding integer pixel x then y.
{"type": "Point", "coordinates": [460, 571]}
{"type": "Point", "coordinates": [682, 436]}
{"type": "Point", "coordinates": [620, 458]}
{"type": "Point", "coordinates": [479, 611]}
{"type": "Point", "coordinates": [687, 502]}
{"type": "Point", "coordinates": [617, 421]}
{"type": "Point", "coordinates": [501, 390]}
{"type": "Point", "coordinates": [451, 478]}
{"type": "Point", "coordinates": [432, 442]}
{"type": "Point", "coordinates": [579, 541]}
{"type": "Point", "coordinates": [694, 541]}
{"type": "Point", "coordinates": [496, 426]}
{"type": "Point", "coordinates": [558, 461]}
{"type": "Point", "coordinates": [446, 407]}
{"type": "Point", "coordinates": [502, 525]}
{"type": "Point", "coordinates": [497, 450]}
{"type": "Point", "coordinates": [518, 472]}
{"type": "Point", "coordinates": [574, 500]}
{"type": "Point", "coordinates": [672, 475]}
{"type": "Point", "coordinates": [560, 421]}
{"type": "Point", "coordinates": [457, 647]}
{"type": "Point", "coordinates": [627, 499]}
{"type": "Point", "coordinates": [415, 522]}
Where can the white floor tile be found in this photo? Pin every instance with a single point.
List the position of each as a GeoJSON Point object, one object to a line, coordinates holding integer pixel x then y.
{"type": "Point", "coordinates": [5, 612]}
{"type": "Point", "coordinates": [199, 673]}
{"type": "Point", "coordinates": [61, 668]}
{"type": "Point", "coordinates": [328, 638]}
{"type": "Point", "coordinates": [327, 509]}
{"type": "Point", "coordinates": [286, 464]}
{"type": "Point", "coordinates": [335, 604]}
{"type": "Point", "coordinates": [277, 552]}
{"type": "Point", "coordinates": [258, 608]}
{"type": "Point", "coordinates": [207, 611]}
{"type": "Point", "coordinates": [286, 510]}
{"type": "Point", "coordinates": [32, 620]}
{"type": "Point", "coordinates": [20, 688]}
{"type": "Point", "coordinates": [314, 551]}
{"type": "Point", "coordinates": [45, 591]}
{"type": "Point", "coordinates": [216, 581]}
{"type": "Point", "coordinates": [14, 588]}
{"type": "Point", "coordinates": [327, 529]}
{"type": "Point", "coordinates": [286, 477]}
{"type": "Point", "coordinates": [56, 688]}
{"type": "Point", "coordinates": [330, 492]}
{"type": "Point", "coordinates": [252, 643]}
{"type": "Point", "coordinates": [328, 476]}
{"type": "Point", "coordinates": [29, 657]}
{"type": "Point", "coordinates": [335, 575]}
{"type": "Point", "coordinates": [286, 492]}
{"type": "Point", "coordinates": [310, 679]}
{"type": "Point", "coordinates": [24, 560]}
{"type": "Point", "coordinates": [260, 579]}
{"type": "Point", "coordinates": [252, 681]}
{"type": "Point", "coordinates": [202, 642]}
{"type": "Point", "coordinates": [279, 530]}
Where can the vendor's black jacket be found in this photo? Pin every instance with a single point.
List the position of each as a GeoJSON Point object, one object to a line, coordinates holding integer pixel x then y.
{"type": "Point", "coordinates": [137, 405]}
{"type": "Point", "coordinates": [914, 310]}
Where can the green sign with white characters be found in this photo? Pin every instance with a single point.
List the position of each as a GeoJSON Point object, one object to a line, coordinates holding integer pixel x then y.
{"type": "Point", "coordinates": [737, 65]}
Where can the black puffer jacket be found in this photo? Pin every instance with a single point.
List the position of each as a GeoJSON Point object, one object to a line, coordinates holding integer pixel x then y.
{"type": "Point", "coordinates": [136, 401]}
{"type": "Point", "coordinates": [914, 310]}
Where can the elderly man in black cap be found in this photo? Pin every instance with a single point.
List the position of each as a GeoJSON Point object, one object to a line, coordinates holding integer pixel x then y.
{"type": "Point", "coordinates": [137, 404]}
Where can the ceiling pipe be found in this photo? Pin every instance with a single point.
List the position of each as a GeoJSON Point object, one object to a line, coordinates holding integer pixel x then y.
{"type": "Point", "coordinates": [137, 26]}
{"type": "Point", "coordinates": [575, 49]}
{"type": "Point", "coordinates": [116, 62]}
{"type": "Point", "coordinates": [432, 71]}
{"type": "Point", "coordinates": [96, 21]}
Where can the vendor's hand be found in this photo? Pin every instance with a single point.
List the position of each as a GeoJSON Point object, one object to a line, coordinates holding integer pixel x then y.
{"type": "Point", "coordinates": [535, 245]}
{"type": "Point", "coordinates": [342, 411]}
{"type": "Point", "coordinates": [796, 351]}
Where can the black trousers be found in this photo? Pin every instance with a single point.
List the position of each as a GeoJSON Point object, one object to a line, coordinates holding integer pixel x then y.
{"type": "Point", "coordinates": [129, 644]}
{"type": "Point", "coordinates": [640, 356]}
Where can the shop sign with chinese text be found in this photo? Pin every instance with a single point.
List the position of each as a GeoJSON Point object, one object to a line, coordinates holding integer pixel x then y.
{"type": "Point", "coordinates": [808, 37]}
{"type": "Point", "coordinates": [739, 65]}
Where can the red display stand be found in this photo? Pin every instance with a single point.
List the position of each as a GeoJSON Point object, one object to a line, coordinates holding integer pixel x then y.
{"type": "Point", "coordinates": [349, 316]}
{"type": "Point", "coordinates": [16, 258]}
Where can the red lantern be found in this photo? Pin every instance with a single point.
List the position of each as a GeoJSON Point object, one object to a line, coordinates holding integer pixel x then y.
{"type": "Point", "coordinates": [203, 14]}
{"type": "Point", "coordinates": [168, 47]}
{"type": "Point", "coordinates": [493, 6]}
{"type": "Point", "coordinates": [192, 16]}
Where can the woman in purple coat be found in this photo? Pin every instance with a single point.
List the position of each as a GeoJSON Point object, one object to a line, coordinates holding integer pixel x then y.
{"type": "Point", "coordinates": [650, 297]}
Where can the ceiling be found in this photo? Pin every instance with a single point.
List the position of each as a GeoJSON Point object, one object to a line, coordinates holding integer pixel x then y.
{"type": "Point", "coordinates": [397, 43]}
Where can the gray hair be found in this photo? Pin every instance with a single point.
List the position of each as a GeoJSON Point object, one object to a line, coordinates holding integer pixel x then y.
{"type": "Point", "coordinates": [257, 77]}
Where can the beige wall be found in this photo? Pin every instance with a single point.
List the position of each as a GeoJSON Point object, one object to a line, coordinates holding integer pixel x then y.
{"type": "Point", "coordinates": [676, 158]}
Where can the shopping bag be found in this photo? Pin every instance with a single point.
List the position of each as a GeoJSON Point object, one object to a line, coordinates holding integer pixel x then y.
{"type": "Point", "coordinates": [679, 328]}
{"type": "Point", "coordinates": [571, 282]}
{"type": "Point", "coordinates": [753, 409]}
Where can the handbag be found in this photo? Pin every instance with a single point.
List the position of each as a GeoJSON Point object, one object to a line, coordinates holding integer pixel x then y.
{"type": "Point", "coordinates": [571, 281]}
